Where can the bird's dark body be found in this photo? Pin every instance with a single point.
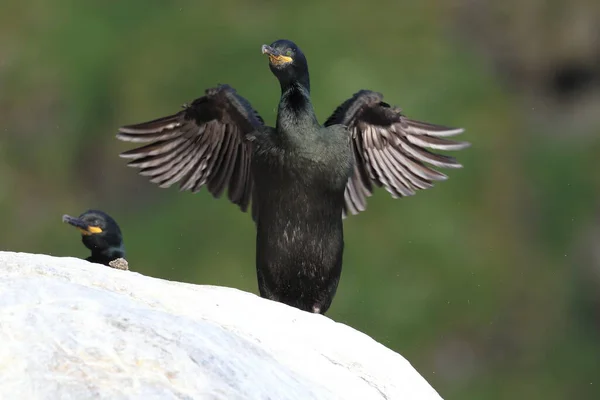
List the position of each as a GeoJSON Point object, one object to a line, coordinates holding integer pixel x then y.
{"type": "Point", "coordinates": [100, 253]}
{"type": "Point", "coordinates": [300, 177]}
{"type": "Point", "coordinates": [299, 244]}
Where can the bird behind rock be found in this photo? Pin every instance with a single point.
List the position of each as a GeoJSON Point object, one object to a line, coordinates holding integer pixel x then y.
{"type": "Point", "coordinates": [301, 177]}
{"type": "Point", "coordinates": [99, 233]}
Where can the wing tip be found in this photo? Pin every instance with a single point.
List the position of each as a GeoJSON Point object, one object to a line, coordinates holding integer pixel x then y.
{"type": "Point", "coordinates": [124, 137]}
{"type": "Point", "coordinates": [458, 146]}
{"type": "Point", "coordinates": [132, 154]}
{"type": "Point", "coordinates": [153, 126]}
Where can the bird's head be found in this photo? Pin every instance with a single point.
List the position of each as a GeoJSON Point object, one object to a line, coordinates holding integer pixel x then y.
{"type": "Point", "coordinates": [99, 232]}
{"type": "Point", "coordinates": [287, 62]}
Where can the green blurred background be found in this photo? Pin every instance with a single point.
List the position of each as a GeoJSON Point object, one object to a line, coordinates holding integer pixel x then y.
{"type": "Point", "coordinates": [489, 283]}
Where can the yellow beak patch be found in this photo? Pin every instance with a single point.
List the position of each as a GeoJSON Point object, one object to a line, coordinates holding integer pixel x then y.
{"type": "Point", "coordinates": [280, 60]}
{"type": "Point", "coordinates": [90, 230]}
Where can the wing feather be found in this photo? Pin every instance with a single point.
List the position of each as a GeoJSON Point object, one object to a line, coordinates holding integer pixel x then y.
{"type": "Point", "coordinates": [390, 150]}
{"type": "Point", "coordinates": [203, 145]}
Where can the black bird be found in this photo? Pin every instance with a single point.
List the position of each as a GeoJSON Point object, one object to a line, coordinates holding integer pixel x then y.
{"type": "Point", "coordinates": [302, 177]}
{"type": "Point", "coordinates": [99, 233]}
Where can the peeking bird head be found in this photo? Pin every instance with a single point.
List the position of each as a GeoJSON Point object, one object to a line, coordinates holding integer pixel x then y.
{"type": "Point", "coordinates": [286, 60]}
{"type": "Point", "coordinates": [99, 233]}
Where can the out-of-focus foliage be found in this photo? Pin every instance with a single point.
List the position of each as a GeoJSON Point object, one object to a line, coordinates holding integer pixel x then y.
{"type": "Point", "coordinates": [484, 283]}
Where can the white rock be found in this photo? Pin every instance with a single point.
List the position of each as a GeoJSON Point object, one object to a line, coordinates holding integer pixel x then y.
{"type": "Point", "coordinates": [70, 329]}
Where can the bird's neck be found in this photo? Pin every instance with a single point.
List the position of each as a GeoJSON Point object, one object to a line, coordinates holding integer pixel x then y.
{"type": "Point", "coordinates": [295, 107]}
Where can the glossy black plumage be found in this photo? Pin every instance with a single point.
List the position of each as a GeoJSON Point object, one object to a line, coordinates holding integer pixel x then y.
{"type": "Point", "coordinates": [99, 233]}
{"type": "Point", "coordinates": [301, 177]}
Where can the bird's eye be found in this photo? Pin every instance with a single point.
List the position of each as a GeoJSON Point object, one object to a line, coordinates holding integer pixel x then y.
{"type": "Point", "coordinates": [288, 53]}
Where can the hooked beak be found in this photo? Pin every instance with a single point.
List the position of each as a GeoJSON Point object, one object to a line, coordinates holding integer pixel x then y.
{"type": "Point", "coordinates": [265, 49]}
{"type": "Point", "coordinates": [81, 225]}
{"type": "Point", "coordinates": [275, 56]}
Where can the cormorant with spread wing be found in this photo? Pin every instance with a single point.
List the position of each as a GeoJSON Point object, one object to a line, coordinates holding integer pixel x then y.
{"type": "Point", "coordinates": [301, 177]}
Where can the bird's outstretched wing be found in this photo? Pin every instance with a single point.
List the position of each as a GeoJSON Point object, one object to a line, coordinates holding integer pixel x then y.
{"type": "Point", "coordinates": [390, 150]}
{"type": "Point", "coordinates": [204, 144]}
